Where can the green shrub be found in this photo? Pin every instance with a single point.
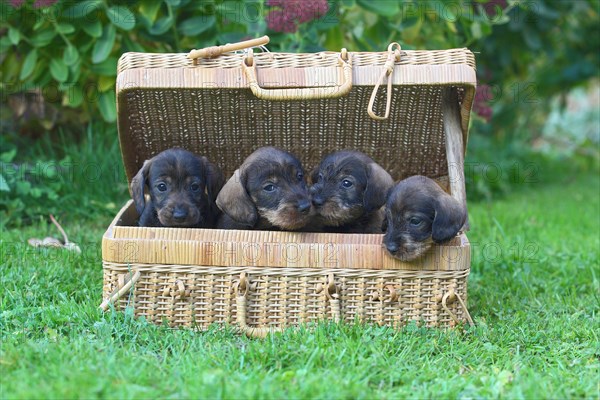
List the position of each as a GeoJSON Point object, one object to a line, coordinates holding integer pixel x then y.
{"type": "Point", "coordinates": [83, 179]}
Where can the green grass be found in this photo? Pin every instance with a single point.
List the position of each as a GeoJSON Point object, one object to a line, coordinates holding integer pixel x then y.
{"type": "Point", "coordinates": [533, 294]}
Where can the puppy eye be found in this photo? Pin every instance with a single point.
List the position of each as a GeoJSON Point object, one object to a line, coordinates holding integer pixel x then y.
{"type": "Point", "coordinates": [346, 183]}
{"type": "Point", "coordinates": [194, 187]}
{"type": "Point", "coordinates": [414, 221]}
{"type": "Point", "coordinates": [300, 176]}
{"type": "Point", "coordinates": [269, 188]}
{"type": "Point", "coordinates": [162, 187]}
{"type": "Point", "coordinates": [320, 177]}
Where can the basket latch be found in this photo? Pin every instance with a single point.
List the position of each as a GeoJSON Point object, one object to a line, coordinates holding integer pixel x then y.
{"type": "Point", "coordinates": [393, 56]}
{"type": "Point", "coordinates": [215, 51]}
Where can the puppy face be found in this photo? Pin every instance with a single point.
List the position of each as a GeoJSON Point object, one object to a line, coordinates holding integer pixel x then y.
{"type": "Point", "coordinates": [346, 186]}
{"type": "Point", "coordinates": [269, 188]}
{"type": "Point", "coordinates": [418, 214]}
{"type": "Point", "coordinates": [182, 188]}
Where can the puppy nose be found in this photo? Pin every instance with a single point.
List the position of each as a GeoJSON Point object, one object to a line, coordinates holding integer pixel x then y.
{"type": "Point", "coordinates": [318, 201]}
{"type": "Point", "coordinates": [303, 206]}
{"type": "Point", "coordinates": [179, 214]}
{"type": "Point", "coordinates": [392, 247]}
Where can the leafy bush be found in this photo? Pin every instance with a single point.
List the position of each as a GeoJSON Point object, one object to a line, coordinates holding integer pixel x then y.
{"type": "Point", "coordinates": [69, 50]}
{"type": "Point", "coordinates": [85, 179]}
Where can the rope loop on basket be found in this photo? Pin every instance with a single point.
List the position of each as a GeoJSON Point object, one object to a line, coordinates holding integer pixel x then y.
{"type": "Point", "coordinates": [332, 294]}
{"type": "Point", "coordinates": [333, 291]}
{"type": "Point", "coordinates": [177, 290]}
{"type": "Point", "coordinates": [123, 286]}
{"type": "Point", "coordinates": [394, 51]}
{"type": "Point", "coordinates": [389, 297]}
{"type": "Point", "coordinates": [450, 297]}
{"type": "Point", "coordinates": [242, 286]}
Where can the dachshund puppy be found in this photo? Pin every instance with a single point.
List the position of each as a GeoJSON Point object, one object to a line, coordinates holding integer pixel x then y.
{"type": "Point", "coordinates": [267, 192]}
{"type": "Point", "coordinates": [348, 191]}
{"type": "Point", "coordinates": [183, 188]}
{"type": "Point", "coordinates": [418, 214]}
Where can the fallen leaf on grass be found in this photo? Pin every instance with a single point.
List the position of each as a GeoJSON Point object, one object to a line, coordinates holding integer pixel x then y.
{"type": "Point", "coordinates": [53, 242]}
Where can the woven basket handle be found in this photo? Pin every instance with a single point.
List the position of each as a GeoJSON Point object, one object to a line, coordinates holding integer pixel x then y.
{"type": "Point", "coordinates": [126, 281]}
{"type": "Point", "coordinates": [242, 287]}
{"type": "Point", "coordinates": [309, 93]}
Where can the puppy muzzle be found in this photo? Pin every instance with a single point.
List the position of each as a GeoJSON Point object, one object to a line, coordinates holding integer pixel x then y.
{"type": "Point", "coordinates": [404, 247]}
{"type": "Point", "coordinates": [180, 216]}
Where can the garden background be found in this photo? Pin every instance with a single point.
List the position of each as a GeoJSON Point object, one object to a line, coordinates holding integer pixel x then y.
{"type": "Point", "coordinates": [533, 185]}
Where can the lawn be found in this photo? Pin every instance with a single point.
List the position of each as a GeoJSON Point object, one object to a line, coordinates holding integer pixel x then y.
{"type": "Point", "coordinates": [533, 294]}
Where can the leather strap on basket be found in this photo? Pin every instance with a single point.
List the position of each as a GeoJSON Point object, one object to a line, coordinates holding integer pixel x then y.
{"type": "Point", "coordinates": [125, 282]}
{"type": "Point", "coordinates": [449, 297]}
{"type": "Point", "coordinates": [307, 93]}
{"type": "Point", "coordinates": [388, 68]}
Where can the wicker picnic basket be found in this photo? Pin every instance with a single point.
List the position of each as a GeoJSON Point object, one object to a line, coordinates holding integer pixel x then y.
{"type": "Point", "coordinates": [408, 110]}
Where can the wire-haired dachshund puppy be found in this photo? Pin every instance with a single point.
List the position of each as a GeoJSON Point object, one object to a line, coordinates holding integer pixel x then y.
{"type": "Point", "coordinates": [267, 192]}
{"type": "Point", "coordinates": [348, 191]}
{"type": "Point", "coordinates": [183, 188]}
{"type": "Point", "coordinates": [419, 213]}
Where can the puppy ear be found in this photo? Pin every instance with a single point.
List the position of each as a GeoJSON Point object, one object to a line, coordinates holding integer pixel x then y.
{"type": "Point", "coordinates": [384, 224]}
{"type": "Point", "coordinates": [214, 179]}
{"type": "Point", "coordinates": [450, 216]}
{"type": "Point", "coordinates": [234, 201]}
{"type": "Point", "coordinates": [379, 182]}
{"type": "Point", "coordinates": [138, 183]}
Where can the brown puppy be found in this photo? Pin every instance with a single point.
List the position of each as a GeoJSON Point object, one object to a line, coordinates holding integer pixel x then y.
{"type": "Point", "coordinates": [183, 188]}
{"type": "Point", "coordinates": [268, 191]}
{"type": "Point", "coordinates": [419, 213]}
{"type": "Point", "coordinates": [348, 192]}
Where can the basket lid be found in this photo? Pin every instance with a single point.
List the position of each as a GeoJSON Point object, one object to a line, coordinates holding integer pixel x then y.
{"type": "Point", "coordinates": [167, 100]}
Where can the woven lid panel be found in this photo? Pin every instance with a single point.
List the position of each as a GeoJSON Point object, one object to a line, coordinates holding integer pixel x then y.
{"type": "Point", "coordinates": [164, 100]}
{"type": "Point", "coordinates": [226, 127]}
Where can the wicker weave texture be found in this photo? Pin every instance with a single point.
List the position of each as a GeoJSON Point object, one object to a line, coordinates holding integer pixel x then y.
{"type": "Point", "coordinates": [198, 296]}
{"type": "Point", "coordinates": [411, 142]}
{"type": "Point", "coordinates": [164, 100]}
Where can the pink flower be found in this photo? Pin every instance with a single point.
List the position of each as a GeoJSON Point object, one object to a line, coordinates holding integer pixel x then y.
{"type": "Point", "coordinates": [290, 13]}
{"type": "Point", "coordinates": [279, 21]}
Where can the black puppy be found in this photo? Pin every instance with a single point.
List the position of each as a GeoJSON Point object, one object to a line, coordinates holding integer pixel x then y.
{"type": "Point", "coordinates": [267, 192]}
{"type": "Point", "coordinates": [418, 214]}
{"type": "Point", "coordinates": [183, 188]}
{"type": "Point", "coordinates": [348, 191]}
